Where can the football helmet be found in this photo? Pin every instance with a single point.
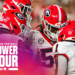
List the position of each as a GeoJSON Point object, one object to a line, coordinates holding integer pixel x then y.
{"type": "Point", "coordinates": [68, 32]}
{"type": "Point", "coordinates": [53, 17]}
{"type": "Point", "coordinates": [14, 21]}
{"type": "Point", "coordinates": [23, 6]}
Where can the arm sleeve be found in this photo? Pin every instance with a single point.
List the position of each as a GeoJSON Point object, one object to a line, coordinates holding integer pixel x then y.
{"type": "Point", "coordinates": [61, 65]}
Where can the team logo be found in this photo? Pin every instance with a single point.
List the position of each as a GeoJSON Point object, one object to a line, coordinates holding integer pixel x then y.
{"type": "Point", "coordinates": [19, 16]}
{"type": "Point", "coordinates": [47, 13]}
{"type": "Point", "coordinates": [69, 32]}
{"type": "Point", "coordinates": [41, 41]}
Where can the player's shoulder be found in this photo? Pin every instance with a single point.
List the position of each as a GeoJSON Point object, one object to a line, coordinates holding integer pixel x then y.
{"type": "Point", "coordinates": [34, 36]}
{"type": "Point", "coordinates": [64, 48]}
{"type": "Point", "coordinates": [61, 47]}
{"type": "Point", "coordinates": [63, 44]}
{"type": "Point", "coordinates": [34, 33]}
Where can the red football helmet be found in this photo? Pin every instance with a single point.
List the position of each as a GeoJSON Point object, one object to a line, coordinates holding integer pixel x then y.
{"type": "Point", "coordinates": [23, 6]}
{"type": "Point", "coordinates": [53, 17]}
{"type": "Point", "coordinates": [67, 32]}
{"type": "Point", "coordinates": [14, 21]}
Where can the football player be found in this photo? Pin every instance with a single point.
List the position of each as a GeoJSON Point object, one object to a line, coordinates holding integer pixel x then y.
{"type": "Point", "coordinates": [64, 50]}
{"type": "Point", "coordinates": [43, 40]}
{"type": "Point", "coordinates": [23, 6]}
{"type": "Point", "coordinates": [12, 24]}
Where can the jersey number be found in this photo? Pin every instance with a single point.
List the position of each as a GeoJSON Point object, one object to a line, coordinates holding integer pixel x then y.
{"type": "Point", "coordinates": [47, 59]}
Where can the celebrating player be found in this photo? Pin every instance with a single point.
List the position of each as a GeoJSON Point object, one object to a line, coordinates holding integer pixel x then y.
{"type": "Point", "coordinates": [16, 56]}
{"type": "Point", "coordinates": [64, 50]}
{"type": "Point", "coordinates": [43, 40]}
{"type": "Point", "coordinates": [24, 6]}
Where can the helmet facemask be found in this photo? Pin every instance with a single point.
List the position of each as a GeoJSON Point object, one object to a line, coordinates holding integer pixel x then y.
{"type": "Point", "coordinates": [50, 31]}
{"type": "Point", "coordinates": [26, 10]}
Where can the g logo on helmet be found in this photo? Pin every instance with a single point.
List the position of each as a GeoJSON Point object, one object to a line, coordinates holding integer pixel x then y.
{"type": "Point", "coordinates": [19, 16]}
{"type": "Point", "coordinates": [47, 13]}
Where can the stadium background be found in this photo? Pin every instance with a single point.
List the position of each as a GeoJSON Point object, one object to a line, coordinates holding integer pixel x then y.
{"type": "Point", "coordinates": [40, 5]}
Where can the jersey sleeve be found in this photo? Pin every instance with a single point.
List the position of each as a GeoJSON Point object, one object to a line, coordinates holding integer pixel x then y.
{"type": "Point", "coordinates": [60, 49]}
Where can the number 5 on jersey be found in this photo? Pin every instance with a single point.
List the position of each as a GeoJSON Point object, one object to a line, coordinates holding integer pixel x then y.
{"type": "Point", "coordinates": [47, 58]}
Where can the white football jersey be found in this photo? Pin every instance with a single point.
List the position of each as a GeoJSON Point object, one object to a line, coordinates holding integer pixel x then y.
{"type": "Point", "coordinates": [66, 49]}
{"type": "Point", "coordinates": [38, 40]}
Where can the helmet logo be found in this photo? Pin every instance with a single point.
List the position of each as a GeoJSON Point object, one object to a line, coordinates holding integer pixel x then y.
{"type": "Point", "coordinates": [69, 32]}
{"type": "Point", "coordinates": [47, 13]}
{"type": "Point", "coordinates": [19, 16]}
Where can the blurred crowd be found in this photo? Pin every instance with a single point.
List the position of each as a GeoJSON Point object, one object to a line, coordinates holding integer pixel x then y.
{"type": "Point", "coordinates": [39, 5]}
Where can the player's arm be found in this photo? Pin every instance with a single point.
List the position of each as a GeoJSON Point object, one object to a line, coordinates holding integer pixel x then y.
{"type": "Point", "coordinates": [61, 65]}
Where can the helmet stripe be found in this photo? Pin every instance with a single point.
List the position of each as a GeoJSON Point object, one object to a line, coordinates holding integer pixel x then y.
{"type": "Point", "coordinates": [59, 10]}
